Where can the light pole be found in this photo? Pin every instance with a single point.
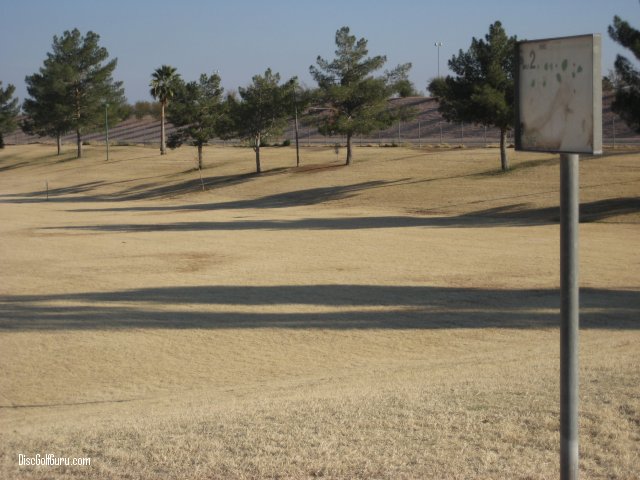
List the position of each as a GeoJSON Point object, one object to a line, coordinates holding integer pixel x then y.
{"type": "Point", "coordinates": [295, 106]}
{"type": "Point", "coordinates": [438, 45]}
{"type": "Point", "coordinates": [106, 127]}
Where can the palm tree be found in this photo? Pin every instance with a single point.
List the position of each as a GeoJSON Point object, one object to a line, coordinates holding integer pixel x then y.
{"type": "Point", "coordinates": [164, 81]}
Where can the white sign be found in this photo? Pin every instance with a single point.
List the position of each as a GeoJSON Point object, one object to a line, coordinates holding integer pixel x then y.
{"type": "Point", "coordinates": [559, 95]}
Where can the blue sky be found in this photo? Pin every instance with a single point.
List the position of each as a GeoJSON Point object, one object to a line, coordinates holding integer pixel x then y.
{"type": "Point", "coordinates": [243, 37]}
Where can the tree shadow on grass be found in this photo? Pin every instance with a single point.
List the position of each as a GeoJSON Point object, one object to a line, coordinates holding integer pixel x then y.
{"type": "Point", "coordinates": [292, 306]}
{"type": "Point", "coordinates": [595, 211]}
{"type": "Point", "coordinates": [516, 215]}
{"type": "Point", "coordinates": [160, 189]}
{"type": "Point", "coordinates": [148, 191]}
{"type": "Point", "coordinates": [312, 196]}
{"type": "Point", "coordinates": [13, 166]}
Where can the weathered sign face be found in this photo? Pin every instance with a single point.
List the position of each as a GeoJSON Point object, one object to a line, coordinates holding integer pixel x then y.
{"type": "Point", "coordinates": [559, 95]}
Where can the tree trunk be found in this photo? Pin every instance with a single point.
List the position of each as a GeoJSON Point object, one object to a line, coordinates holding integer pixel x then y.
{"type": "Point", "coordinates": [504, 160]}
{"type": "Point", "coordinates": [349, 152]}
{"type": "Point", "coordinates": [199, 157]}
{"type": "Point", "coordinates": [163, 143]}
{"type": "Point", "coordinates": [59, 143]}
{"type": "Point", "coordinates": [257, 149]}
{"type": "Point", "coordinates": [79, 143]}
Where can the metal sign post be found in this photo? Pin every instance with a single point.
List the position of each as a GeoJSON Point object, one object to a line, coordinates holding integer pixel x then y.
{"type": "Point", "coordinates": [569, 315]}
{"type": "Point", "coordinates": [559, 110]}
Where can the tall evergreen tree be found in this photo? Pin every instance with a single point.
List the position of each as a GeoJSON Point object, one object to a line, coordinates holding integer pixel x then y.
{"type": "Point", "coordinates": [83, 82]}
{"type": "Point", "coordinates": [354, 99]}
{"type": "Point", "coordinates": [8, 111]}
{"type": "Point", "coordinates": [48, 114]}
{"type": "Point", "coordinates": [482, 90]}
{"type": "Point", "coordinates": [627, 99]}
{"type": "Point", "coordinates": [262, 111]}
{"type": "Point", "coordinates": [198, 112]}
{"type": "Point", "coordinates": [164, 82]}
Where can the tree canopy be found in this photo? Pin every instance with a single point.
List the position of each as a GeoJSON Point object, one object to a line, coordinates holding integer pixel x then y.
{"type": "Point", "coordinates": [354, 100]}
{"type": "Point", "coordinates": [164, 83]}
{"type": "Point", "coordinates": [73, 87]}
{"type": "Point", "coordinates": [8, 111]}
{"type": "Point", "coordinates": [198, 112]}
{"type": "Point", "coordinates": [482, 89]}
{"type": "Point", "coordinates": [48, 113]}
{"type": "Point", "coordinates": [627, 97]}
{"type": "Point", "coordinates": [262, 110]}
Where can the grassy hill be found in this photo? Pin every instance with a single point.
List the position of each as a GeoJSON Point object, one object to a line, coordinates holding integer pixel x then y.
{"type": "Point", "coordinates": [393, 319]}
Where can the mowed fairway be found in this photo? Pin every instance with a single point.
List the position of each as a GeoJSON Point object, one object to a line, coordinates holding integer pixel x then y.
{"type": "Point", "coordinates": [393, 319]}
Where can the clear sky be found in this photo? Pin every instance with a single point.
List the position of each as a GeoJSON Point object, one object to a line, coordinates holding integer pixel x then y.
{"type": "Point", "coordinates": [241, 38]}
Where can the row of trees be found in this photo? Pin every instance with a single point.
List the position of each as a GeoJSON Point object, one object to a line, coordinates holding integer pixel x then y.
{"type": "Point", "coordinates": [74, 89]}
{"type": "Point", "coordinates": [200, 111]}
{"type": "Point", "coordinates": [349, 100]}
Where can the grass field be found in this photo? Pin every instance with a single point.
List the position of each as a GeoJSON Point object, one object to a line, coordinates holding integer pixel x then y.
{"type": "Point", "coordinates": [393, 319]}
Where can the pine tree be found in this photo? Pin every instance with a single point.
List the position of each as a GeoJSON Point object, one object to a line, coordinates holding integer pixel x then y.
{"type": "Point", "coordinates": [48, 114]}
{"type": "Point", "coordinates": [354, 100]}
{"type": "Point", "coordinates": [81, 82]}
{"type": "Point", "coordinates": [262, 110]}
{"type": "Point", "coordinates": [197, 110]}
{"type": "Point", "coordinates": [8, 111]}
{"type": "Point", "coordinates": [627, 99]}
{"type": "Point", "coordinates": [482, 90]}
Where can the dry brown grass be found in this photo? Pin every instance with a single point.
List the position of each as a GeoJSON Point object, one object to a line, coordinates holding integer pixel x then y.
{"type": "Point", "coordinates": [395, 319]}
